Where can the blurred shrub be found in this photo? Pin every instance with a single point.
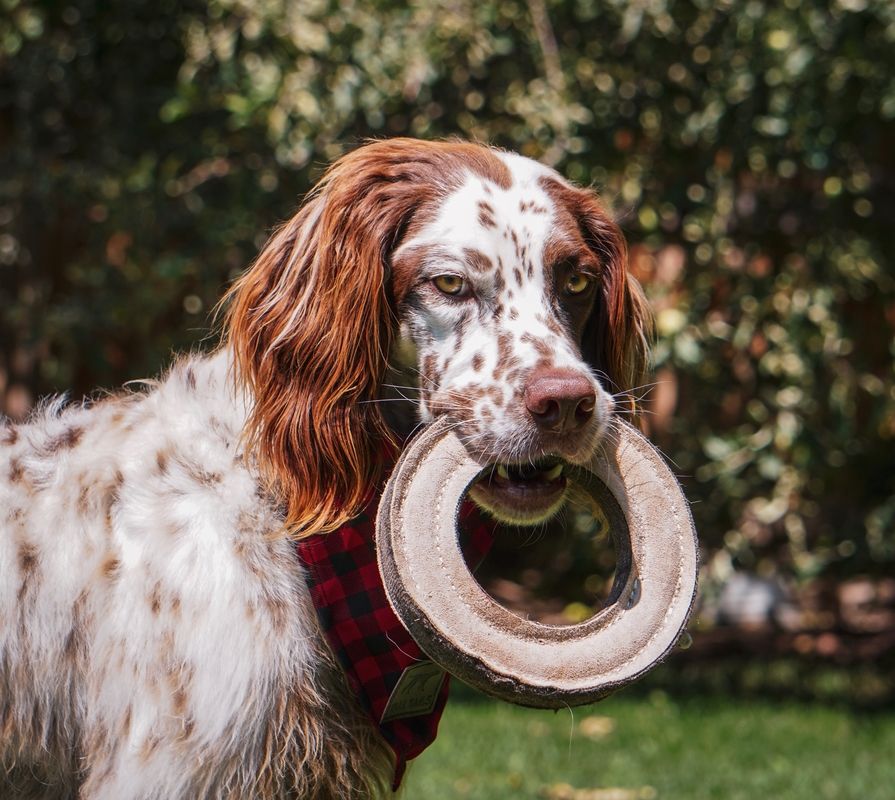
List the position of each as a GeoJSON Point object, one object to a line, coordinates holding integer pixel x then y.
{"type": "Point", "coordinates": [147, 147]}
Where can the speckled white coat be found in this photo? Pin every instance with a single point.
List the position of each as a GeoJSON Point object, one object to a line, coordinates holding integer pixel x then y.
{"type": "Point", "coordinates": [156, 637]}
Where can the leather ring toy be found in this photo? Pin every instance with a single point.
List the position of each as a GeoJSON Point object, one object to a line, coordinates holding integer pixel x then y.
{"type": "Point", "coordinates": [460, 627]}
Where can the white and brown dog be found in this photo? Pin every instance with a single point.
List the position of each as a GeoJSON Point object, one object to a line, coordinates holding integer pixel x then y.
{"type": "Point", "coordinates": [157, 640]}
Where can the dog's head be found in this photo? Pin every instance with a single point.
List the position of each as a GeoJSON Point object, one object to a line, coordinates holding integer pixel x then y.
{"type": "Point", "coordinates": [478, 281]}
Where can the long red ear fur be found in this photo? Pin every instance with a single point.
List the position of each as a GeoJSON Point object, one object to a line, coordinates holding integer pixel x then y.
{"type": "Point", "coordinates": [619, 333]}
{"type": "Point", "coordinates": [621, 327]}
{"type": "Point", "coordinates": [310, 326]}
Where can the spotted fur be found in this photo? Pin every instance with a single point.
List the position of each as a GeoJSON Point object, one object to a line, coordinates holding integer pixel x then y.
{"type": "Point", "coordinates": [157, 640]}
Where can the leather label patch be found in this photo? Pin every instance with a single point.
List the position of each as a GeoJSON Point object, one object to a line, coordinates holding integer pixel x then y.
{"type": "Point", "coordinates": [416, 692]}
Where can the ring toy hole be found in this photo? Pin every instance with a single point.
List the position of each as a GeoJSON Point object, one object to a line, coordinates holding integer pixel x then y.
{"type": "Point", "coordinates": [563, 570]}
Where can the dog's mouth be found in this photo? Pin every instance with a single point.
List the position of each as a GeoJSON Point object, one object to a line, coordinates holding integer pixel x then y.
{"type": "Point", "coordinates": [522, 494]}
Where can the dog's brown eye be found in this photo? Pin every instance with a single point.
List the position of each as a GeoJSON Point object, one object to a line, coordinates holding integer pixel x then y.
{"type": "Point", "coordinates": [450, 284]}
{"type": "Point", "coordinates": [578, 283]}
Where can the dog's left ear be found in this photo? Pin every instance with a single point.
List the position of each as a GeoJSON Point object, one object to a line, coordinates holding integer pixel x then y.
{"type": "Point", "coordinates": [618, 334]}
{"type": "Point", "coordinates": [310, 325]}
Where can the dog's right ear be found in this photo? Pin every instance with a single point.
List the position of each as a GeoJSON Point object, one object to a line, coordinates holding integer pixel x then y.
{"type": "Point", "coordinates": [310, 328]}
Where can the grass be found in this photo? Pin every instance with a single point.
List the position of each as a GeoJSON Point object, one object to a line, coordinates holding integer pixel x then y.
{"type": "Point", "coordinates": [652, 745]}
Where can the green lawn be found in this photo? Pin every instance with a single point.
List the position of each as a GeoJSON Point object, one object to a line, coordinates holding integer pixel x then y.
{"type": "Point", "coordinates": [645, 746]}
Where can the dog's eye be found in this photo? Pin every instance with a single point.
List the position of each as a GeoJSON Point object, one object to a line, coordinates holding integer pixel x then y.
{"type": "Point", "coordinates": [578, 283]}
{"type": "Point", "coordinates": [453, 285]}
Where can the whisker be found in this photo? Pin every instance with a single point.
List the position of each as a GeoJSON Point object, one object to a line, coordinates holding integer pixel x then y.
{"type": "Point", "coordinates": [390, 400]}
{"type": "Point", "coordinates": [643, 386]}
{"type": "Point", "coordinates": [667, 457]}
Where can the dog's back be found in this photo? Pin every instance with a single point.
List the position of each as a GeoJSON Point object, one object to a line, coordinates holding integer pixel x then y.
{"type": "Point", "coordinates": [155, 635]}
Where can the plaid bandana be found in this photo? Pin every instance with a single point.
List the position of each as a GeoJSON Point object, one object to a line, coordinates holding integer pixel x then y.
{"type": "Point", "coordinates": [402, 691]}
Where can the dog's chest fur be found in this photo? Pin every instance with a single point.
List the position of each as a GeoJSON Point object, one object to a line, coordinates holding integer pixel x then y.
{"type": "Point", "coordinates": [136, 541]}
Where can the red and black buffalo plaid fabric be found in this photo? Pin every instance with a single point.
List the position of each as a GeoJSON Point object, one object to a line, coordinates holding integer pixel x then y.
{"type": "Point", "coordinates": [372, 646]}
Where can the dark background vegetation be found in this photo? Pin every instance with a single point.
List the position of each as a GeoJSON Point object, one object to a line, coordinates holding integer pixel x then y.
{"type": "Point", "coordinates": [748, 148]}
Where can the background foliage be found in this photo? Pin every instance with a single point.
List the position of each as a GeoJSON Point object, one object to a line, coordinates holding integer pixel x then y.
{"type": "Point", "coordinates": [147, 146]}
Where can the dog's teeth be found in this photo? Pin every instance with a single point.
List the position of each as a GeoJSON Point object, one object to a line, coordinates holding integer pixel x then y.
{"type": "Point", "coordinates": [502, 471]}
{"type": "Point", "coordinates": [553, 474]}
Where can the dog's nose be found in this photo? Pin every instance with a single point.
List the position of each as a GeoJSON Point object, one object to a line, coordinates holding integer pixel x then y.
{"type": "Point", "coordinates": [560, 401]}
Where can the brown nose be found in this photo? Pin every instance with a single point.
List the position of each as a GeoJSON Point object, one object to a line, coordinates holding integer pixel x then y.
{"type": "Point", "coordinates": [560, 401]}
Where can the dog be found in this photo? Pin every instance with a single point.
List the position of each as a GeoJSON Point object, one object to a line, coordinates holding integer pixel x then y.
{"type": "Point", "coordinates": [157, 640]}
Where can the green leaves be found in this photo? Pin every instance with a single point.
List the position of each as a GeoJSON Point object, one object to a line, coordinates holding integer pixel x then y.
{"type": "Point", "coordinates": [746, 147]}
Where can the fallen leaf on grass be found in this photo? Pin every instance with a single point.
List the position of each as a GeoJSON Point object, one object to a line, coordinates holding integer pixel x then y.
{"type": "Point", "coordinates": [563, 791]}
{"type": "Point", "coordinates": [596, 727]}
